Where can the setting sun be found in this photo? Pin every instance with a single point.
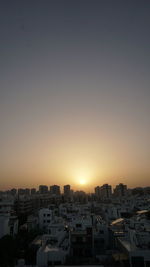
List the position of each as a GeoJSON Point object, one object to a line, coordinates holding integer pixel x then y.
{"type": "Point", "coordinates": [82, 176]}
{"type": "Point", "coordinates": [82, 181]}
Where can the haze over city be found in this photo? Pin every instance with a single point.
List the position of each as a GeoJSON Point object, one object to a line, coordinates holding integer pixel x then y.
{"type": "Point", "coordinates": [74, 93]}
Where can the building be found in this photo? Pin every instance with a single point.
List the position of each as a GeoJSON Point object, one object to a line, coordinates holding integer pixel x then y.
{"type": "Point", "coordinates": [55, 190]}
{"type": "Point", "coordinates": [32, 222]}
{"type": "Point", "coordinates": [8, 225]}
{"type": "Point", "coordinates": [135, 248]}
{"type": "Point", "coordinates": [23, 205]}
{"type": "Point", "coordinates": [33, 191]}
{"type": "Point", "coordinates": [8, 220]}
{"type": "Point", "coordinates": [21, 191]}
{"type": "Point", "coordinates": [7, 204]}
{"type": "Point", "coordinates": [43, 189]}
{"type": "Point", "coordinates": [24, 191]}
{"type": "Point", "coordinates": [101, 237]}
{"type": "Point", "coordinates": [106, 191]}
{"type": "Point", "coordinates": [67, 190]}
{"type": "Point", "coordinates": [27, 191]}
{"type": "Point", "coordinates": [80, 196]}
{"type": "Point", "coordinates": [97, 192]}
{"type": "Point", "coordinates": [133, 239]}
{"type": "Point", "coordinates": [82, 240]}
{"type": "Point", "coordinates": [13, 191]}
{"type": "Point", "coordinates": [54, 249]}
{"type": "Point", "coordinates": [45, 217]}
{"type": "Point", "coordinates": [120, 190]}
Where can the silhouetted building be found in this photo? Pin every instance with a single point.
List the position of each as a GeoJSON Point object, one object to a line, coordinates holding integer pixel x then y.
{"type": "Point", "coordinates": [55, 190]}
{"type": "Point", "coordinates": [106, 191]}
{"type": "Point", "coordinates": [67, 190]}
{"type": "Point", "coordinates": [23, 205]}
{"type": "Point", "coordinates": [33, 191]}
{"type": "Point", "coordinates": [80, 196]}
{"type": "Point", "coordinates": [27, 191]}
{"type": "Point", "coordinates": [120, 190]}
{"type": "Point", "coordinates": [43, 189]}
{"type": "Point", "coordinates": [21, 191]}
{"type": "Point", "coordinates": [13, 191]}
{"type": "Point", "coordinates": [97, 192]}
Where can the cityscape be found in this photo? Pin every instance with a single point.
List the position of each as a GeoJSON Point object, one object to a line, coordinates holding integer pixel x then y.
{"type": "Point", "coordinates": [50, 227]}
{"type": "Point", "coordinates": [75, 133]}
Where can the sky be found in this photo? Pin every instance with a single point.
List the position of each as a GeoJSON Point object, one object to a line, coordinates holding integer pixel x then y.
{"type": "Point", "coordinates": [74, 93]}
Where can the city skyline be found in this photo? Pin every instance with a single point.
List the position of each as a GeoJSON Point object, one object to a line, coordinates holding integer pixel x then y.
{"type": "Point", "coordinates": [74, 97]}
{"type": "Point", "coordinates": [78, 188]}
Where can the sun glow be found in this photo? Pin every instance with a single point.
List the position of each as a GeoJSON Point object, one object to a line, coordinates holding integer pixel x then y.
{"type": "Point", "coordinates": [81, 178]}
{"type": "Point", "coordinates": [82, 181]}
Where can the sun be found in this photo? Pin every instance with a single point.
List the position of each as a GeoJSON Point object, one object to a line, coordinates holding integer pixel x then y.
{"type": "Point", "coordinates": [82, 177]}
{"type": "Point", "coordinates": [82, 181]}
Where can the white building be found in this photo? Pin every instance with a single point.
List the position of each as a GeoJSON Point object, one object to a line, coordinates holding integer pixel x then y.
{"type": "Point", "coordinates": [6, 204]}
{"type": "Point", "coordinates": [8, 225]}
{"type": "Point", "coordinates": [45, 218]}
{"type": "Point", "coordinates": [134, 243]}
{"type": "Point", "coordinates": [55, 246]}
{"type": "Point", "coordinates": [8, 221]}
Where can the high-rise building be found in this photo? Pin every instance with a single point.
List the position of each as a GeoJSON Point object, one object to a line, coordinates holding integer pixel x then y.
{"type": "Point", "coordinates": [55, 190]}
{"type": "Point", "coordinates": [21, 191]}
{"type": "Point", "coordinates": [7, 204]}
{"type": "Point", "coordinates": [106, 191]}
{"type": "Point", "coordinates": [33, 191]}
{"type": "Point", "coordinates": [13, 191]}
{"type": "Point", "coordinates": [120, 190]}
{"type": "Point", "coordinates": [27, 191]}
{"type": "Point", "coordinates": [23, 205]}
{"type": "Point", "coordinates": [97, 191]}
{"type": "Point", "coordinates": [43, 189]}
{"type": "Point", "coordinates": [67, 190]}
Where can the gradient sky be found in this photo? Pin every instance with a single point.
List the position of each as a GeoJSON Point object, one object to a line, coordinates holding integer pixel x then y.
{"type": "Point", "coordinates": [74, 92]}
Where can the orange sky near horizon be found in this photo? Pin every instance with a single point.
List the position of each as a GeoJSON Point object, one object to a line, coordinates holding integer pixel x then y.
{"type": "Point", "coordinates": [74, 93]}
